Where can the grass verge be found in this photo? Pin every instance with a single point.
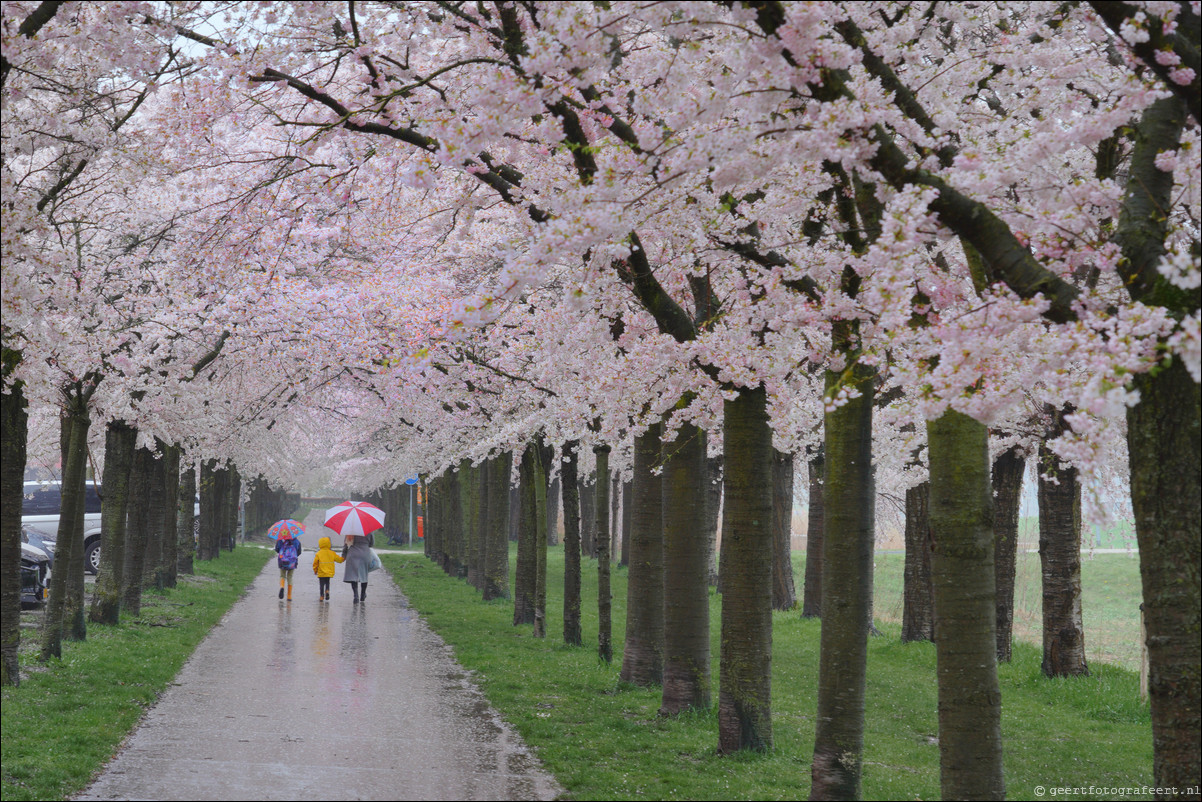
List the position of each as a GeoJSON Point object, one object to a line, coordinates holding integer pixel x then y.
{"type": "Point", "coordinates": [604, 740]}
{"type": "Point", "coordinates": [68, 717]}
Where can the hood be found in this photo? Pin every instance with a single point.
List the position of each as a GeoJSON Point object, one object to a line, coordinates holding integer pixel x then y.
{"type": "Point", "coordinates": [323, 543]}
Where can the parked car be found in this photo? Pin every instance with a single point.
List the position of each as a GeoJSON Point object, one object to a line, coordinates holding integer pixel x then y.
{"type": "Point", "coordinates": [46, 544]}
{"type": "Point", "coordinates": [40, 507]}
{"type": "Point", "coordinates": [35, 573]}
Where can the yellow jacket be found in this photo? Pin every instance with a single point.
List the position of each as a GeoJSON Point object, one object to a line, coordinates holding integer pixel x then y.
{"type": "Point", "coordinates": [323, 561]}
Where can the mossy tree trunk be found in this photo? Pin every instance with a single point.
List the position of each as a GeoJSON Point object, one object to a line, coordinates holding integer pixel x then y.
{"type": "Point", "coordinates": [784, 591]}
{"type": "Point", "coordinates": [811, 603]}
{"type": "Point", "coordinates": [14, 428]}
{"type": "Point", "coordinates": [469, 494]}
{"type": "Point", "coordinates": [970, 735]}
{"type": "Point", "coordinates": [918, 594]}
{"type": "Point", "coordinates": [156, 514]}
{"type": "Point", "coordinates": [605, 649]}
{"type": "Point", "coordinates": [686, 678]}
{"type": "Point", "coordinates": [745, 670]}
{"type": "Point", "coordinates": [643, 654]}
{"type": "Point", "coordinates": [572, 632]}
{"type": "Point", "coordinates": [496, 551]}
{"type": "Point", "coordinates": [1007, 477]}
{"type": "Point", "coordinates": [849, 499]}
{"type": "Point", "coordinates": [119, 440]}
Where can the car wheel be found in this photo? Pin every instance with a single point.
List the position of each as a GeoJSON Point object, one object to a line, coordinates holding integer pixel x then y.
{"type": "Point", "coordinates": [91, 557]}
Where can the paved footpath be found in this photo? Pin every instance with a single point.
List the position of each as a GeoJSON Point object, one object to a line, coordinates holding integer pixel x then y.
{"type": "Point", "coordinates": [316, 701]}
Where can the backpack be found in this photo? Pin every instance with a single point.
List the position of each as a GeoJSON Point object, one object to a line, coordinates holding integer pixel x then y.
{"type": "Point", "coordinates": [289, 551]}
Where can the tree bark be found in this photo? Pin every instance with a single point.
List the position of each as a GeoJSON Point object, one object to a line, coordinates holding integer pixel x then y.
{"type": "Point", "coordinates": [643, 655]}
{"type": "Point", "coordinates": [811, 606]}
{"type": "Point", "coordinates": [538, 537]}
{"type": "Point", "coordinates": [75, 477]}
{"type": "Point", "coordinates": [713, 508]}
{"type": "Point", "coordinates": [185, 519]}
{"type": "Point", "coordinates": [156, 514]}
{"type": "Point", "coordinates": [572, 631]}
{"type": "Point", "coordinates": [918, 593]}
{"type": "Point", "coordinates": [605, 649]}
{"type": "Point", "coordinates": [210, 516]}
{"type": "Point", "coordinates": [784, 592]}
{"type": "Point", "coordinates": [170, 558]}
{"type": "Point", "coordinates": [119, 443]}
{"type": "Point", "coordinates": [1060, 561]}
{"type": "Point", "coordinates": [524, 577]}
{"type": "Point", "coordinates": [745, 689]}
{"type": "Point", "coordinates": [496, 550]}
{"type": "Point", "coordinates": [627, 520]}
{"type": "Point", "coordinates": [469, 489]}
{"type": "Point", "coordinates": [970, 736]}
{"type": "Point", "coordinates": [14, 428]}
{"type": "Point", "coordinates": [135, 531]}
{"type": "Point", "coordinates": [588, 517]}
{"type": "Point", "coordinates": [553, 512]}
{"type": "Point", "coordinates": [686, 676]}
{"type": "Point", "coordinates": [1007, 478]}
{"type": "Point", "coordinates": [849, 498]}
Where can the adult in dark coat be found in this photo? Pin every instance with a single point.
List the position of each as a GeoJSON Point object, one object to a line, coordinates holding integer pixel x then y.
{"type": "Point", "coordinates": [357, 552]}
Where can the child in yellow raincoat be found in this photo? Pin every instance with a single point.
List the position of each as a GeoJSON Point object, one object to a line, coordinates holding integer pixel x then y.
{"type": "Point", "coordinates": [323, 566]}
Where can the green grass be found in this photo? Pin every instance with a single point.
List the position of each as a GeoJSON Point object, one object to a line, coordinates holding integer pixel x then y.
{"type": "Point", "coordinates": [68, 717]}
{"type": "Point", "coordinates": [604, 740]}
{"type": "Point", "coordinates": [1110, 599]}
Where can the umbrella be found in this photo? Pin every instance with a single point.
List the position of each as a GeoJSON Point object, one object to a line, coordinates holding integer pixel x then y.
{"type": "Point", "coordinates": [286, 527]}
{"type": "Point", "coordinates": [354, 518]}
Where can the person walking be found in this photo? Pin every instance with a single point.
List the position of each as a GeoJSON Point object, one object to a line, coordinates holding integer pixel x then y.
{"type": "Point", "coordinates": [288, 547]}
{"type": "Point", "coordinates": [323, 566]}
{"type": "Point", "coordinates": [356, 550]}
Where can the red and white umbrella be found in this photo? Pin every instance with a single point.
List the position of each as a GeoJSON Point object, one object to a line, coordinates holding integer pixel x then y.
{"type": "Point", "coordinates": [354, 518]}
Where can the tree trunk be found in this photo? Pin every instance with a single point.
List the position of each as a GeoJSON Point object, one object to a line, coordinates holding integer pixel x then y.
{"type": "Point", "coordinates": [135, 531]}
{"type": "Point", "coordinates": [469, 488]}
{"type": "Point", "coordinates": [918, 594]}
{"type": "Point", "coordinates": [627, 520]}
{"type": "Point", "coordinates": [14, 428]}
{"type": "Point", "coordinates": [811, 606]}
{"type": "Point", "coordinates": [232, 499]}
{"type": "Point", "coordinates": [75, 477]}
{"type": "Point", "coordinates": [170, 518]}
{"type": "Point", "coordinates": [643, 654]}
{"type": "Point", "coordinates": [605, 649]}
{"type": "Point", "coordinates": [538, 538]}
{"type": "Point", "coordinates": [686, 574]}
{"type": "Point", "coordinates": [572, 632]}
{"type": "Point", "coordinates": [496, 550]}
{"type": "Point", "coordinates": [745, 671]}
{"type": "Point", "coordinates": [210, 516]}
{"type": "Point", "coordinates": [156, 514]}
{"type": "Point", "coordinates": [1060, 561]}
{"type": "Point", "coordinates": [615, 526]}
{"type": "Point", "coordinates": [784, 592]}
{"type": "Point", "coordinates": [119, 440]}
{"type": "Point", "coordinates": [970, 736]}
{"type": "Point", "coordinates": [588, 517]}
{"type": "Point", "coordinates": [185, 519]}
{"type": "Point", "coordinates": [553, 511]}
{"type": "Point", "coordinates": [525, 577]}
{"type": "Point", "coordinates": [849, 531]}
{"type": "Point", "coordinates": [1166, 460]}
{"type": "Point", "coordinates": [713, 506]}
{"type": "Point", "coordinates": [1007, 478]}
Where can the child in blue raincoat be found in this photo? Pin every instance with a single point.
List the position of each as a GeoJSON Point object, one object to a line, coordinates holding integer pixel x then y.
{"type": "Point", "coordinates": [288, 548]}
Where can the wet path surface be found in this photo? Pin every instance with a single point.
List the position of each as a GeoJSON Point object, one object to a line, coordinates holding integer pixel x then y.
{"type": "Point", "coordinates": [312, 700]}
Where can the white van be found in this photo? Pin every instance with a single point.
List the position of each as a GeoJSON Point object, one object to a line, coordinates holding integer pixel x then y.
{"type": "Point", "coordinates": [40, 508]}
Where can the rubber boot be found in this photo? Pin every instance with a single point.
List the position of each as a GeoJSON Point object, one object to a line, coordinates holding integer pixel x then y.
{"type": "Point", "coordinates": [281, 587]}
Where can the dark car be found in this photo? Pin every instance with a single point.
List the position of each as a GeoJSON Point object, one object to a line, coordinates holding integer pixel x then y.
{"type": "Point", "coordinates": [35, 571]}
